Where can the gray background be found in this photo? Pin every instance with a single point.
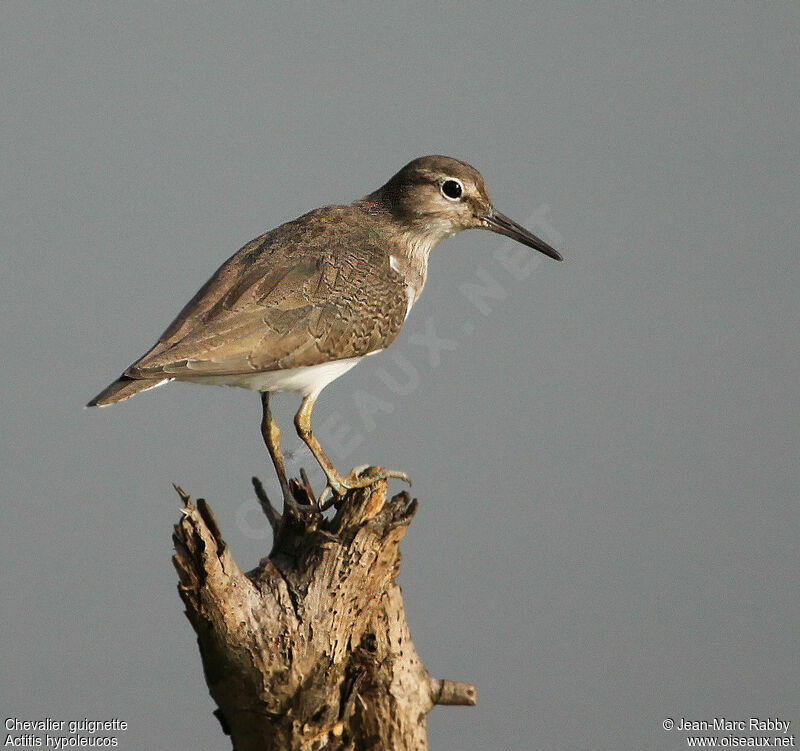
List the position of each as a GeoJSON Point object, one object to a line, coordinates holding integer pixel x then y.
{"type": "Point", "coordinates": [606, 463]}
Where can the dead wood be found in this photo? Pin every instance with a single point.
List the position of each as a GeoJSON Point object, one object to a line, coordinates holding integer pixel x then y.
{"type": "Point", "coordinates": [311, 650]}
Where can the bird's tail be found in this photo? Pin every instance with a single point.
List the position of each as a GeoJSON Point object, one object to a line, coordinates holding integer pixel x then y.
{"type": "Point", "coordinates": [124, 388]}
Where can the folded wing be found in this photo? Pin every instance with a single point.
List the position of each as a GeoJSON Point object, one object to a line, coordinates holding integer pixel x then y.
{"type": "Point", "coordinates": [279, 304]}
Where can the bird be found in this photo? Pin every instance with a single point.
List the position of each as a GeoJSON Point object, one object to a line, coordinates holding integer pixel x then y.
{"type": "Point", "coordinates": [303, 303]}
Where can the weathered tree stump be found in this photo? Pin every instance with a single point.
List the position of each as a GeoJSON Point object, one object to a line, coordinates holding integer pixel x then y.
{"type": "Point", "coordinates": [311, 650]}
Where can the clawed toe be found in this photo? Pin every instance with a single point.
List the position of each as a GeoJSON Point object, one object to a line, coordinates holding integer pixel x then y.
{"type": "Point", "coordinates": [372, 474]}
{"type": "Point", "coordinates": [300, 510]}
{"type": "Point", "coordinates": [361, 477]}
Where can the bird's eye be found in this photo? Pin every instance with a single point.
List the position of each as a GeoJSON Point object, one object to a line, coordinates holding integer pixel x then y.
{"type": "Point", "coordinates": [452, 189]}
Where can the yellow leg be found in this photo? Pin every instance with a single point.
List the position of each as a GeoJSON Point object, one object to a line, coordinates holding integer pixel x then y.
{"type": "Point", "coordinates": [272, 437]}
{"type": "Point", "coordinates": [338, 484]}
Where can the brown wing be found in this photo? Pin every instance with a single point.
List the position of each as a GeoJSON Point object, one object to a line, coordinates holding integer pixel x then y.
{"type": "Point", "coordinates": [313, 290]}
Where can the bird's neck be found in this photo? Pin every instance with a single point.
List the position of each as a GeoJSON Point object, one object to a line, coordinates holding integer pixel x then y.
{"type": "Point", "coordinates": [411, 238]}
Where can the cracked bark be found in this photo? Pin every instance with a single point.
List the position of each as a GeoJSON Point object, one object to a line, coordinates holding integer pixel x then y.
{"type": "Point", "coordinates": [311, 650]}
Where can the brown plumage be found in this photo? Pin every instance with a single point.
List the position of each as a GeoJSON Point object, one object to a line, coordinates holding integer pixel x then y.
{"type": "Point", "coordinates": [333, 285]}
{"type": "Point", "coordinates": [313, 290]}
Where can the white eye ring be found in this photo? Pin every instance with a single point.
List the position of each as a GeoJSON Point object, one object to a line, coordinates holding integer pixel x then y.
{"type": "Point", "coordinates": [452, 189]}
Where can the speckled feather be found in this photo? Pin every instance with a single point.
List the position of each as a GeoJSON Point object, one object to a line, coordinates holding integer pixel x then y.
{"type": "Point", "coordinates": [298, 306]}
{"type": "Point", "coordinates": [315, 289]}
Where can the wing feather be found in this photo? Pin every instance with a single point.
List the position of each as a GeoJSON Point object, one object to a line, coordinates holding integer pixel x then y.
{"type": "Point", "coordinates": [300, 295]}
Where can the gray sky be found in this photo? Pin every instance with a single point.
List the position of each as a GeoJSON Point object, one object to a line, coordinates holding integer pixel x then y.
{"type": "Point", "coordinates": [606, 456]}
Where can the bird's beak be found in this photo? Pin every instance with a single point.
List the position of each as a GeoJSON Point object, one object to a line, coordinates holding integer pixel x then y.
{"type": "Point", "coordinates": [500, 223]}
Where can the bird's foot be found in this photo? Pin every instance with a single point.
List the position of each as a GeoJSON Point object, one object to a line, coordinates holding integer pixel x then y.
{"type": "Point", "coordinates": [359, 477]}
{"type": "Point", "coordinates": [299, 496]}
{"type": "Point", "coordinates": [298, 502]}
{"type": "Point", "coordinates": [298, 509]}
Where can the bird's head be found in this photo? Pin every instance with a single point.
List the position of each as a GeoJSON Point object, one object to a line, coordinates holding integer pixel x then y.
{"type": "Point", "coordinates": [437, 196]}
